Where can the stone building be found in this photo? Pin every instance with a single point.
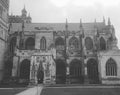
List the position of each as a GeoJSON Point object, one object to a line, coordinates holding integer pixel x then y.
{"type": "Point", "coordinates": [65, 53]}
{"type": "Point", "coordinates": [4, 7]}
{"type": "Point", "coordinates": [19, 19]}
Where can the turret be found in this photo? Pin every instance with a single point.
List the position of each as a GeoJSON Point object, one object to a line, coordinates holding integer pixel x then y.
{"type": "Point", "coordinates": [109, 22]}
{"type": "Point", "coordinates": [29, 18]}
{"type": "Point", "coordinates": [24, 12]}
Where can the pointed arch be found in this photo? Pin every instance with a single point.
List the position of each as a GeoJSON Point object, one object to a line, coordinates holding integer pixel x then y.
{"type": "Point", "coordinates": [30, 43]}
{"type": "Point", "coordinates": [43, 43]}
{"type": "Point", "coordinates": [102, 44]}
{"type": "Point", "coordinates": [59, 43]}
{"type": "Point", "coordinates": [60, 71]}
{"type": "Point", "coordinates": [13, 44]}
{"type": "Point", "coordinates": [92, 70]}
{"type": "Point", "coordinates": [111, 67]}
{"type": "Point", "coordinates": [76, 75]}
{"type": "Point", "coordinates": [25, 69]}
{"type": "Point", "coordinates": [89, 43]}
{"type": "Point", "coordinates": [73, 43]}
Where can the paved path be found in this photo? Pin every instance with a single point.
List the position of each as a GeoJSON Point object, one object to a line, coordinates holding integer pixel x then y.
{"type": "Point", "coordinates": [32, 91]}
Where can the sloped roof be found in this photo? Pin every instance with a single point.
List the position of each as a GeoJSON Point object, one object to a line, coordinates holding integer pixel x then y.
{"type": "Point", "coordinates": [55, 26]}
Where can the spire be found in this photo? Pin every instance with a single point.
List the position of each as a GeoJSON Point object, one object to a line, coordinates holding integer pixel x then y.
{"type": "Point", "coordinates": [95, 24]}
{"type": "Point", "coordinates": [66, 26]}
{"type": "Point", "coordinates": [95, 20]}
{"type": "Point", "coordinates": [103, 19]}
{"type": "Point", "coordinates": [80, 23]}
{"type": "Point", "coordinates": [109, 22]}
{"type": "Point", "coordinates": [24, 12]}
{"type": "Point", "coordinates": [24, 6]}
{"type": "Point", "coordinates": [29, 16]}
{"type": "Point", "coordinates": [24, 9]}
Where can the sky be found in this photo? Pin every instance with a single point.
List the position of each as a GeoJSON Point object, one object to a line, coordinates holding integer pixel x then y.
{"type": "Point", "coordinates": [58, 10]}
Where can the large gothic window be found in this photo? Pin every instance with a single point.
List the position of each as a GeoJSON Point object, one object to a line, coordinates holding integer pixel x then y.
{"type": "Point", "coordinates": [30, 43]}
{"type": "Point", "coordinates": [43, 43]}
{"type": "Point", "coordinates": [102, 44]}
{"type": "Point", "coordinates": [59, 43]}
{"type": "Point", "coordinates": [89, 43]}
{"type": "Point", "coordinates": [111, 68]}
{"type": "Point", "coordinates": [73, 43]}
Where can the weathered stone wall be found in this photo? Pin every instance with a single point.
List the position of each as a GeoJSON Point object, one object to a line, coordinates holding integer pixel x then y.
{"type": "Point", "coordinates": [103, 58]}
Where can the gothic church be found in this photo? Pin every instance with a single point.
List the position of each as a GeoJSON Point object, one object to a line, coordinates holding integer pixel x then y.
{"type": "Point", "coordinates": [63, 53]}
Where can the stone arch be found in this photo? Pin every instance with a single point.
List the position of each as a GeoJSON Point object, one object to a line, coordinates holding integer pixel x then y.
{"type": "Point", "coordinates": [25, 70]}
{"type": "Point", "coordinates": [92, 71]}
{"type": "Point", "coordinates": [60, 71]}
{"type": "Point", "coordinates": [76, 75]}
{"type": "Point", "coordinates": [43, 43]}
{"type": "Point", "coordinates": [89, 43]}
{"type": "Point", "coordinates": [102, 44]}
{"type": "Point", "coordinates": [30, 43]}
{"type": "Point", "coordinates": [111, 67]}
{"type": "Point", "coordinates": [73, 43]}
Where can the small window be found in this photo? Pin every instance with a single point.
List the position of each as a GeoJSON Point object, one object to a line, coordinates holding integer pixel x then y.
{"type": "Point", "coordinates": [43, 43]}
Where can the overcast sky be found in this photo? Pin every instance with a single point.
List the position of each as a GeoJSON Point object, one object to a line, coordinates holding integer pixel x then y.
{"type": "Point", "coordinates": [73, 10]}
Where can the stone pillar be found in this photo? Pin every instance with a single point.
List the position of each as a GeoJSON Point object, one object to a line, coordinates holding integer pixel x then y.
{"type": "Point", "coordinates": [15, 66]}
{"type": "Point", "coordinates": [86, 80]}
{"type": "Point", "coordinates": [52, 70]}
{"type": "Point", "coordinates": [32, 71]}
{"type": "Point", "coordinates": [68, 73]}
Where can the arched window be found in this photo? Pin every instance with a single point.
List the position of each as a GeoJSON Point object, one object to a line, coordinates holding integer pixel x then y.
{"type": "Point", "coordinates": [12, 44]}
{"type": "Point", "coordinates": [73, 43]}
{"type": "Point", "coordinates": [43, 43]}
{"type": "Point", "coordinates": [59, 43]}
{"type": "Point", "coordinates": [30, 43]}
{"type": "Point", "coordinates": [102, 44]}
{"type": "Point", "coordinates": [88, 43]}
{"type": "Point", "coordinates": [111, 68]}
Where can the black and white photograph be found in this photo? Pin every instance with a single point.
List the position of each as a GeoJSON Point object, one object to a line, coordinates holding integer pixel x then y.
{"type": "Point", "coordinates": [59, 47]}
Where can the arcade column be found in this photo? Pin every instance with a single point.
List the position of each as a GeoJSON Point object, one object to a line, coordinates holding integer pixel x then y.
{"type": "Point", "coordinates": [86, 80]}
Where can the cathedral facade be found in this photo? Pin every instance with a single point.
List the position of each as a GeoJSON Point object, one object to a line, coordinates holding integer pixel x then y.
{"type": "Point", "coordinates": [64, 53]}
